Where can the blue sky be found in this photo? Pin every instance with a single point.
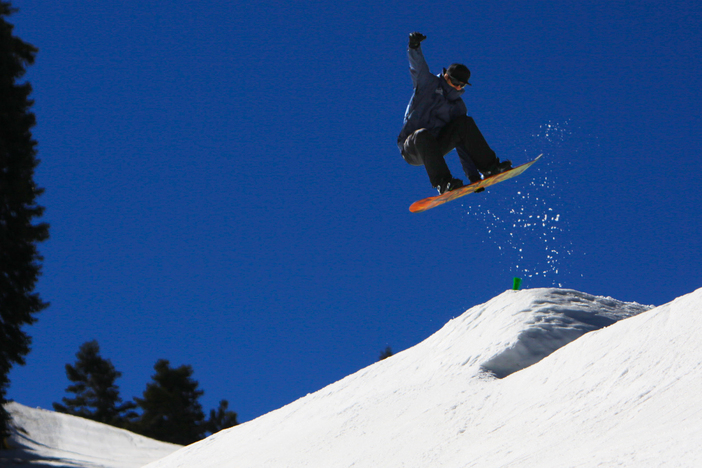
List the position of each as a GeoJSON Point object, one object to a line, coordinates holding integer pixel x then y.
{"type": "Point", "coordinates": [224, 189]}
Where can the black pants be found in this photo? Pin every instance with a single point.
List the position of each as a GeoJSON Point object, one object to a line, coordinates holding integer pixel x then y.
{"type": "Point", "coordinates": [422, 148]}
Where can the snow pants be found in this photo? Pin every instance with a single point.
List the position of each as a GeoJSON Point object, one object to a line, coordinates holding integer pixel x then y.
{"type": "Point", "coordinates": [422, 148]}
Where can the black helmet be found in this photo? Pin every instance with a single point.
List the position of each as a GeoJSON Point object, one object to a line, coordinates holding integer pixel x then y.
{"type": "Point", "coordinates": [459, 72]}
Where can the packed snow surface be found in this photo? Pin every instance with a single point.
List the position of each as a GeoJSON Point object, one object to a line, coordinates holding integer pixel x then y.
{"type": "Point", "coordinates": [535, 378]}
{"type": "Point", "coordinates": [42, 438]}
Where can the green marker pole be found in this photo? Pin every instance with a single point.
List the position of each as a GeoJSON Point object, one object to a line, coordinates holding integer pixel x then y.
{"type": "Point", "coordinates": [517, 283]}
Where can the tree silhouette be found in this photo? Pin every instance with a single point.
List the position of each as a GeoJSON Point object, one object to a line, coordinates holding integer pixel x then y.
{"type": "Point", "coordinates": [96, 395]}
{"type": "Point", "coordinates": [222, 418]}
{"type": "Point", "coordinates": [171, 410]}
{"type": "Point", "coordinates": [19, 258]}
{"type": "Point", "coordinates": [385, 354]}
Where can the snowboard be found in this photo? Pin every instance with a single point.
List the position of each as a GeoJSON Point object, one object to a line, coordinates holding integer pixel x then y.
{"type": "Point", "coordinates": [431, 202]}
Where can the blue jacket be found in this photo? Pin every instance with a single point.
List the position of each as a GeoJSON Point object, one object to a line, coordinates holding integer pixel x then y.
{"type": "Point", "coordinates": [434, 102]}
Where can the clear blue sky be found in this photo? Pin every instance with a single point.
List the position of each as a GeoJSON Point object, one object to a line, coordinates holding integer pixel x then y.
{"type": "Point", "coordinates": [224, 189]}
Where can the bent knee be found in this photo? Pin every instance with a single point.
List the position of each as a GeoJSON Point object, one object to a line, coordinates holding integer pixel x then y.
{"type": "Point", "coordinates": [413, 159]}
{"type": "Point", "coordinates": [422, 136]}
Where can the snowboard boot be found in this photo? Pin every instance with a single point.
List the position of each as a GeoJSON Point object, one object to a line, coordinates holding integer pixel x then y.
{"type": "Point", "coordinates": [448, 185]}
{"type": "Point", "coordinates": [498, 167]}
{"type": "Point", "coordinates": [474, 178]}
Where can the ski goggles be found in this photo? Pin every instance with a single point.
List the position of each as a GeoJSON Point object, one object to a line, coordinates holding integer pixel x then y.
{"type": "Point", "coordinates": [455, 82]}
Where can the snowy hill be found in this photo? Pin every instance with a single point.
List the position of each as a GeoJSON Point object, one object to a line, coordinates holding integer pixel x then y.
{"type": "Point", "coordinates": [42, 438]}
{"type": "Point", "coordinates": [512, 382]}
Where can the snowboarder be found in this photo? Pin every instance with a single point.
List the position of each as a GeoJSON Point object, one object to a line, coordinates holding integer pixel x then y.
{"type": "Point", "coordinates": [436, 122]}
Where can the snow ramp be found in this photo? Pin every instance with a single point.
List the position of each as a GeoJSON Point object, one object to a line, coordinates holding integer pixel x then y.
{"type": "Point", "coordinates": [440, 402]}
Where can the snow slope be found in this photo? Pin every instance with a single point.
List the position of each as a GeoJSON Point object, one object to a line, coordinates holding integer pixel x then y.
{"type": "Point", "coordinates": [45, 438]}
{"type": "Point", "coordinates": [628, 394]}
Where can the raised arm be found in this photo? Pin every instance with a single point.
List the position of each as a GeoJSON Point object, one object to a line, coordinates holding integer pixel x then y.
{"type": "Point", "coordinates": [419, 70]}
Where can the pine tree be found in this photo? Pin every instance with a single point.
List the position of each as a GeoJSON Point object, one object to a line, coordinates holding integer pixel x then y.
{"type": "Point", "coordinates": [19, 258]}
{"type": "Point", "coordinates": [96, 395]}
{"type": "Point", "coordinates": [222, 418]}
{"type": "Point", "coordinates": [385, 354]}
{"type": "Point", "coordinates": [171, 410]}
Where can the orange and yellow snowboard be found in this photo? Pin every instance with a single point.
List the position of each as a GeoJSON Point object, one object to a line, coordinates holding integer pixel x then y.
{"type": "Point", "coordinates": [431, 202]}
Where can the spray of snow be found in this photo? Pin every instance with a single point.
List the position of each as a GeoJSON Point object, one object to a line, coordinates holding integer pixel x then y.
{"type": "Point", "coordinates": [528, 228]}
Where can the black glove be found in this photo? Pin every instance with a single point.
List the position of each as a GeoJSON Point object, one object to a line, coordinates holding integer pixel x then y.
{"type": "Point", "coordinates": [415, 39]}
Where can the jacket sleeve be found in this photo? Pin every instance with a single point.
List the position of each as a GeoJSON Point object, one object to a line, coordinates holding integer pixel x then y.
{"type": "Point", "coordinates": [419, 70]}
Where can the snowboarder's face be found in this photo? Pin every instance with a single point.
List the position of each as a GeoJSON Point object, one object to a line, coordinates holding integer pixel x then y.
{"type": "Point", "coordinates": [454, 83]}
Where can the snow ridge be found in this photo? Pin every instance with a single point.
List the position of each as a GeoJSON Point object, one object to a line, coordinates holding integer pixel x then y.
{"type": "Point", "coordinates": [543, 377]}
{"type": "Point", "coordinates": [552, 319]}
{"type": "Point", "coordinates": [46, 438]}
{"type": "Point", "coordinates": [594, 401]}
